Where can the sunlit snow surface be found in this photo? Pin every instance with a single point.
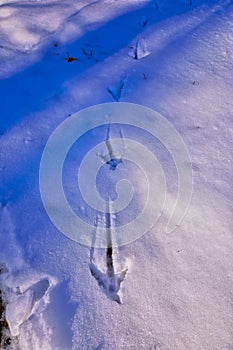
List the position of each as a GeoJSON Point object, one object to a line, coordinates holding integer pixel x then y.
{"type": "Point", "coordinates": [166, 55]}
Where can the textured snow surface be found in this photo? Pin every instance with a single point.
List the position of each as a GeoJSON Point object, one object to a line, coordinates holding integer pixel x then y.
{"type": "Point", "coordinates": [169, 56]}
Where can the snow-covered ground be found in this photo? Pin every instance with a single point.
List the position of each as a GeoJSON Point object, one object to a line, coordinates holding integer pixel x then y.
{"type": "Point", "coordinates": [175, 289]}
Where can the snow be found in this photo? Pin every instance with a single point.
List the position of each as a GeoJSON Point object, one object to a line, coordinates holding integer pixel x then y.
{"type": "Point", "coordinates": [177, 291]}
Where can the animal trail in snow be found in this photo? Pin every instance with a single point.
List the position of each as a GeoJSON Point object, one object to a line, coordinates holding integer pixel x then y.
{"type": "Point", "coordinates": [110, 281]}
{"type": "Point", "coordinates": [116, 91]}
{"type": "Point", "coordinates": [139, 49]}
{"type": "Point", "coordinates": [111, 158]}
